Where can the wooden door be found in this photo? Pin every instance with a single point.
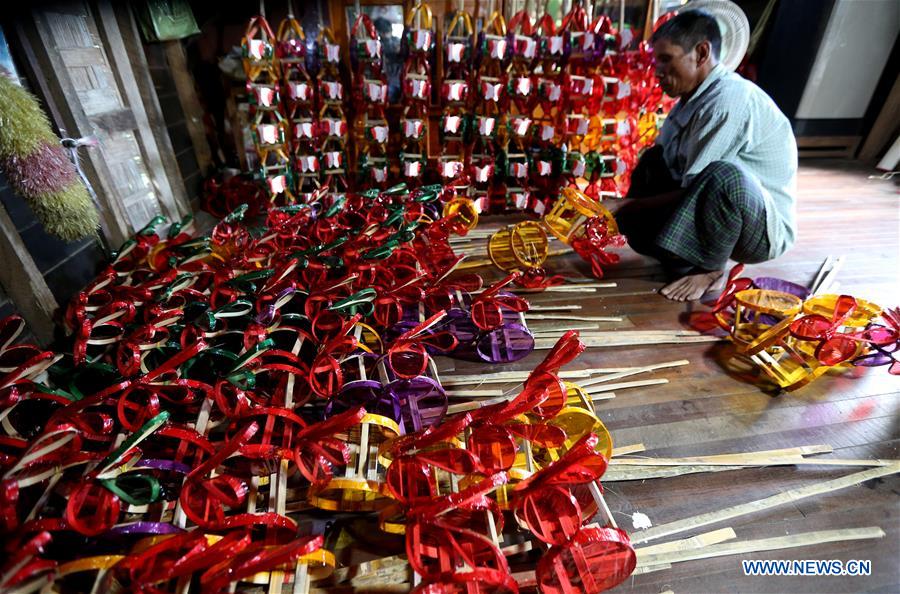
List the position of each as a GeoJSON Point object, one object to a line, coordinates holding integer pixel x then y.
{"type": "Point", "coordinates": [87, 74]}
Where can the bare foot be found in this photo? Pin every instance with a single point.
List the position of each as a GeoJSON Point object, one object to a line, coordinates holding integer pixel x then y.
{"type": "Point", "coordinates": [691, 287]}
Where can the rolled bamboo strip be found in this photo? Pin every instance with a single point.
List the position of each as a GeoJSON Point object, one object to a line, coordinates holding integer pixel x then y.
{"type": "Point", "coordinates": [789, 496]}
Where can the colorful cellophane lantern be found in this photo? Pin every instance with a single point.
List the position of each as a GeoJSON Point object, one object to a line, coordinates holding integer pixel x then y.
{"type": "Point", "coordinates": [570, 212]}
{"type": "Point", "coordinates": [523, 468]}
{"type": "Point", "coordinates": [756, 310]}
{"type": "Point", "coordinates": [823, 305]}
{"type": "Point", "coordinates": [520, 246]}
{"type": "Point", "coordinates": [360, 486]}
{"type": "Point", "coordinates": [576, 419]}
{"type": "Point", "coordinates": [463, 214]}
{"type": "Point", "coordinates": [392, 518]}
{"type": "Point", "coordinates": [510, 342]}
{"type": "Point", "coordinates": [422, 399]}
{"type": "Point", "coordinates": [793, 362]}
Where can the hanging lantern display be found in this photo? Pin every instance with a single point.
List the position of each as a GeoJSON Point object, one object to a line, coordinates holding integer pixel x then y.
{"type": "Point", "coordinates": [418, 46]}
{"type": "Point", "coordinates": [371, 132]}
{"type": "Point", "coordinates": [269, 127]}
{"type": "Point", "coordinates": [299, 103]}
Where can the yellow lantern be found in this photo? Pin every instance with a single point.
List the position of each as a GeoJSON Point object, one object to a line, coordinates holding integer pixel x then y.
{"type": "Point", "coordinates": [524, 245]}
{"type": "Point", "coordinates": [570, 212]}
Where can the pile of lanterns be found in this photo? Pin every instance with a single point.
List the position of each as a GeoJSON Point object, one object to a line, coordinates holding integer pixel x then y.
{"type": "Point", "coordinates": [794, 337]}
{"type": "Point", "coordinates": [219, 386]}
{"type": "Point", "coordinates": [544, 107]}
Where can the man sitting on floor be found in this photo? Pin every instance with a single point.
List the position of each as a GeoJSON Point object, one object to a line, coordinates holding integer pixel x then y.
{"type": "Point", "coordinates": [720, 181]}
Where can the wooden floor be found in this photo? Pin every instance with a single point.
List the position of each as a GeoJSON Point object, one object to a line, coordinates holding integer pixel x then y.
{"type": "Point", "coordinates": [704, 411]}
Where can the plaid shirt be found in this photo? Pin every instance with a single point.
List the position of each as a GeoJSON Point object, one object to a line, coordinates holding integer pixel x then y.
{"type": "Point", "coordinates": [728, 118]}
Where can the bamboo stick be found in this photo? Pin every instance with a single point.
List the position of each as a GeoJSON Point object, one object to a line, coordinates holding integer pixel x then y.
{"type": "Point", "coordinates": [530, 316]}
{"type": "Point", "coordinates": [538, 330]}
{"type": "Point", "coordinates": [751, 461]}
{"type": "Point", "coordinates": [587, 375]}
{"type": "Point", "coordinates": [635, 333]}
{"type": "Point", "coordinates": [635, 371]}
{"type": "Point", "coordinates": [688, 544]}
{"type": "Point", "coordinates": [796, 451]}
{"type": "Point", "coordinates": [543, 343]}
{"type": "Point", "coordinates": [765, 544]}
{"type": "Point", "coordinates": [475, 405]}
{"type": "Point", "coordinates": [789, 496]}
{"type": "Point", "coordinates": [554, 307]}
{"type": "Point", "coordinates": [629, 449]}
{"type": "Point", "coordinates": [624, 385]}
{"type": "Point", "coordinates": [473, 393]}
{"type": "Point", "coordinates": [826, 264]}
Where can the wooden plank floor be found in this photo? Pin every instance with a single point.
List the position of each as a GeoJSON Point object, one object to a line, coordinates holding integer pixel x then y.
{"type": "Point", "coordinates": [703, 410]}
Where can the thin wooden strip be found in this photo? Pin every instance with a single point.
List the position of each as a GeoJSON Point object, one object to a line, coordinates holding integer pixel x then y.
{"type": "Point", "coordinates": [642, 473]}
{"type": "Point", "coordinates": [503, 377]}
{"type": "Point", "coordinates": [531, 316]}
{"type": "Point", "coordinates": [750, 507]}
{"type": "Point", "coordinates": [475, 405]}
{"type": "Point", "coordinates": [651, 569]}
{"type": "Point", "coordinates": [545, 328]}
{"type": "Point", "coordinates": [554, 307]}
{"type": "Point", "coordinates": [688, 544]}
{"type": "Point", "coordinates": [624, 385]}
{"type": "Point", "coordinates": [635, 371]}
{"type": "Point", "coordinates": [751, 461]}
{"type": "Point", "coordinates": [545, 343]}
{"type": "Point", "coordinates": [467, 393]}
{"type": "Point", "coordinates": [796, 451]}
{"type": "Point", "coordinates": [473, 263]}
{"type": "Point", "coordinates": [616, 472]}
{"type": "Point", "coordinates": [804, 539]}
{"type": "Point", "coordinates": [828, 281]}
{"type": "Point", "coordinates": [629, 449]}
{"type": "Point", "coordinates": [557, 289]}
{"type": "Point", "coordinates": [649, 333]}
{"type": "Point", "coordinates": [820, 274]}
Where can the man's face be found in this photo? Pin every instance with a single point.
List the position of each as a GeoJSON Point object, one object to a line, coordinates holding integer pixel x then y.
{"type": "Point", "coordinates": [678, 71]}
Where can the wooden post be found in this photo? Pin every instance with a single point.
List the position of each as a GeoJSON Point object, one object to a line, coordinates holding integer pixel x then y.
{"type": "Point", "coordinates": [24, 283]}
{"type": "Point", "coordinates": [190, 104]}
